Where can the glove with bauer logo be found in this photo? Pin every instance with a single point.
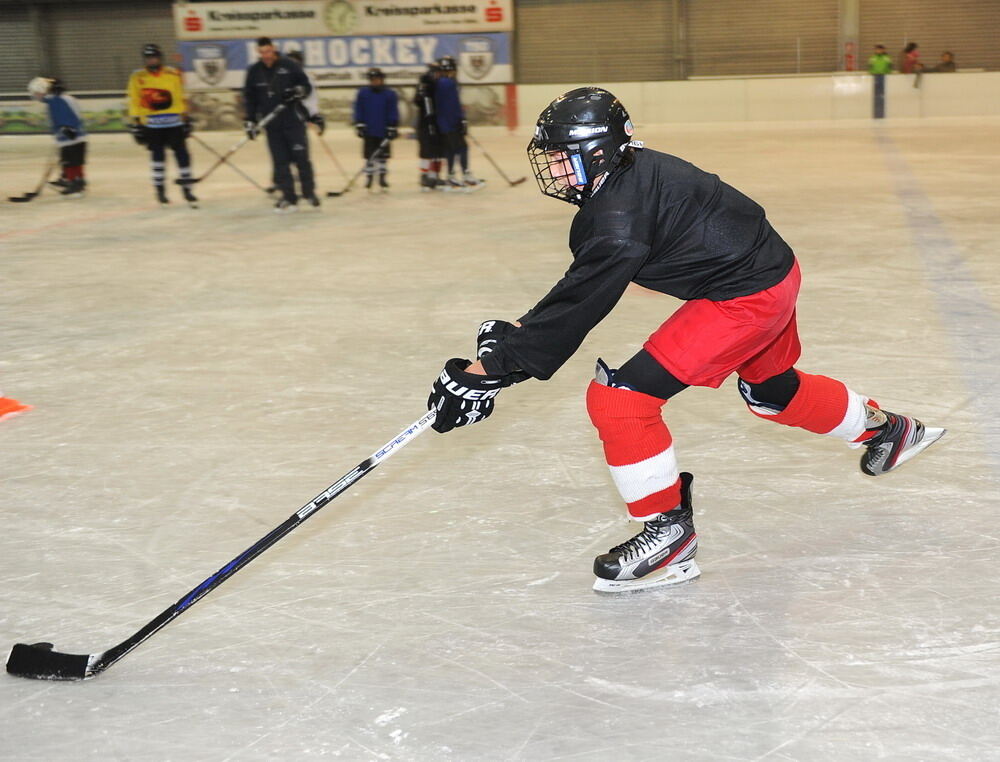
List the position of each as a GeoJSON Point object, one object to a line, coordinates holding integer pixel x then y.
{"type": "Point", "coordinates": [461, 398]}
{"type": "Point", "coordinates": [491, 333]}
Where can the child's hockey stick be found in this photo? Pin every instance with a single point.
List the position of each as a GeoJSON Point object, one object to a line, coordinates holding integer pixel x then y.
{"type": "Point", "coordinates": [232, 166]}
{"type": "Point", "coordinates": [496, 166]}
{"type": "Point", "coordinates": [41, 662]}
{"type": "Point", "coordinates": [25, 197]}
{"type": "Point", "coordinates": [371, 162]}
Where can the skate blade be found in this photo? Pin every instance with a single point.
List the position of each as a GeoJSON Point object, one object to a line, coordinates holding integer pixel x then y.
{"type": "Point", "coordinates": [675, 574]}
{"type": "Point", "coordinates": [931, 435]}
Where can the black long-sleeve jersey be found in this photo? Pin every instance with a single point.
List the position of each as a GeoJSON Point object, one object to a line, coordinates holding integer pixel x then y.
{"type": "Point", "coordinates": [424, 100]}
{"type": "Point", "coordinates": [264, 86]}
{"type": "Point", "coordinates": [662, 223]}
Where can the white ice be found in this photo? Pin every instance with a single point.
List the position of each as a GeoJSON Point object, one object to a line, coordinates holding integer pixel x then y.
{"type": "Point", "coordinates": [197, 376]}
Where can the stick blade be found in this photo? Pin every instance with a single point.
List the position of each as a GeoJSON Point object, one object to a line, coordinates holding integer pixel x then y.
{"type": "Point", "coordinates": [518, 181]}
{"type": "Point", "coordinates": [39, 662]}
{"type": "Point", "coordinates": [22, 199]}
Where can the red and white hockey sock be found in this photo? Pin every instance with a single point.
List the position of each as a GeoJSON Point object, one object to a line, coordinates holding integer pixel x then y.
{"type": "Point", "coordinates": [638, 448]}
{"type": "Point", "coordinates": [824, 405]}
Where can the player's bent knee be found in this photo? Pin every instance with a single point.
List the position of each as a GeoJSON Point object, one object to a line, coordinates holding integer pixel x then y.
{"type": "Point", "coordinates": [772, 395]}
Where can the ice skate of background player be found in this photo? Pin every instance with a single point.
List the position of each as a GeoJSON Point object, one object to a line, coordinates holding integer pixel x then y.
{"type": "Point", "coordinates": [658, 221]}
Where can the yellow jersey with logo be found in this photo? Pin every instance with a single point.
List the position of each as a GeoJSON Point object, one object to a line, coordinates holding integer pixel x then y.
{"type": "Point", "coordinates": [157, 98]}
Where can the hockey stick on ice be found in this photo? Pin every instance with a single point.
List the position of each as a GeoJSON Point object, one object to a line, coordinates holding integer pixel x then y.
{"type": "Point", "coordinates": [232, 166]}
{"type": "Point", "coordinates": [236, 147]}
{"type": "Point", "coordinates": [26, 197]}
{"type": "Point", "coordinates": [330, 154]}
{"type": "Point", "coordinates": [40, 661]}
{"type": "Point", "coordinates": [496, 166]}
{"type": "Point", "coordinates": [371, 162]}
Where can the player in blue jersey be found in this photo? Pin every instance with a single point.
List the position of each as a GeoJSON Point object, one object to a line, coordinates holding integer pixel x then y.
{"type": "Point", "coordinates": [376, 119]}
{"type": "Point", "coordinates": [67, 128]}
{"type": "Point", "coordinates": [452, 127]}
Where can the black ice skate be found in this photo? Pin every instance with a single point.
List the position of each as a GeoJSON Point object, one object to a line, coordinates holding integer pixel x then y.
{"type": "Point", "coordinates": [284, 206]}
{"type": "Point", "coordinates": [73, 189]}
{"type": "Point", "coordinates": [368, 183]}
{"type": "Point", "coordinates": [661, 554]}
{"type": "Point", "coordinates": [192, 200]}
{"type": "Point", "coordinates": [899, 438]}
{"type": "Point", "coordinates": [383, 184]}
{"type": "Point", "coordinates": [161, 195]}
{"type": "Point", "coordinates": [59, 183]}
{"type": "Point", "coordinates": [313, 201]}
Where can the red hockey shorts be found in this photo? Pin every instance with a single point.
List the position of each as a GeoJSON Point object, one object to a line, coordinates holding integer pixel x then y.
{"type": "Point", "coordinates": [704, 341]}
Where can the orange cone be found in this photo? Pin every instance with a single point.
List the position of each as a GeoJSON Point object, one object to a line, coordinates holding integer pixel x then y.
{"type": "Point", "coordinates": [9, 407]}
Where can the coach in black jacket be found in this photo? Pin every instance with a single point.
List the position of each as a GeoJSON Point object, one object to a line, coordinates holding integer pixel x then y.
{"type": "Point", "coordinates": [272, 81]}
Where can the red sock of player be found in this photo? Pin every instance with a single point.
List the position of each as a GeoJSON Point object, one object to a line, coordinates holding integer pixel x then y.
{"type": "Point", "coordinates": [638, 448]}
{"type": "Point", "coordinates": [824, 405]}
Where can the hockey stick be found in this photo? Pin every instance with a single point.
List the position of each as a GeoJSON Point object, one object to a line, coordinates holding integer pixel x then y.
{"type": "Point", "coordinates": [26, 197]}
{"type": "Point", "coordinates": [236, 147]}
{"type": "Point", "coordinates": [330, 154]}
{"type": "Point", "coordinates": [232, 166]}
{"type": "Point", "coordinates": [41, 662]}
{"type": "Point", "coordinates": [371, 159]}
{"type": "Point", "coordinates": [510, 182]}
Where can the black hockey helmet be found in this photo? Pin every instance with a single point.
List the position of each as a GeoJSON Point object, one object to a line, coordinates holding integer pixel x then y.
{"type": "Point", "coordinates": [447, 63]}
{"type": "Point", "coordinates": [375, 73]}
{"type": "Point", "coordinates": [296, 55]}
{"type": "Point", "coordinates": [151, 50]}
{"type": "Point", "coordinates": [578, 137]}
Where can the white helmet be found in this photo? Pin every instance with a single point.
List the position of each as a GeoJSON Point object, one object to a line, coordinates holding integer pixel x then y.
{"type": "Point", "coordinates": [40, 86]}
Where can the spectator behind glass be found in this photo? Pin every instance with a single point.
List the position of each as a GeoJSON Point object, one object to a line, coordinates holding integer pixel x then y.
{"type": "Point", "coordinates": [880, 62]}
{"type": "Point", "coordinates": [946, 64]}
{"type": "Point", "coordinates": [910, 63]}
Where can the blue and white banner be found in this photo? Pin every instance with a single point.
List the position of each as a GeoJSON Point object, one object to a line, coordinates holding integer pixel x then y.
{"type": "Point", "coordinates": [343, 61]}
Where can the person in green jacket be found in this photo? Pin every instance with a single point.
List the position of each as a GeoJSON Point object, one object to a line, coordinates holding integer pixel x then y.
{"type": "Point", "coordinates": [881, 62]}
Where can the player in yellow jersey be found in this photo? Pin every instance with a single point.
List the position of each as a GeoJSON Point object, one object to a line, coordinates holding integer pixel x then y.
{"type": "Point", "coordinates": [159, 119]}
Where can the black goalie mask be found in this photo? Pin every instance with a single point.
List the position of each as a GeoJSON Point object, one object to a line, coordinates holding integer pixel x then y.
{"type": "Point", "coordinates": [578, 137]}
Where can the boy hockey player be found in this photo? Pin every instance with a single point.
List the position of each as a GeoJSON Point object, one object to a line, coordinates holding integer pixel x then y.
{"type": "Point", "coordinates": [272, 81]}
{"type": "Point", "coordinates": [428, 136]}
{"type": "Point", "coordinates": [160, 120]}
{"type": "Point", "coordinates": [453, 127]}
{"type": "Point", "coordinates": [376, 119]}
{"type": "Point", "coordinates": [67, 128]}
{"type": "Point", "coordinates": [656, 220]}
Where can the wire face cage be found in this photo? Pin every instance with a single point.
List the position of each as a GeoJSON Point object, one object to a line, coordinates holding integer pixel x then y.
{"type": "Point", "coordinates": [559, 171]}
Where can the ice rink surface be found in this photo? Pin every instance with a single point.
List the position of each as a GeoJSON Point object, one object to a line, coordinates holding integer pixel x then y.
{"type": "Point", "coordinates": [197, 376]}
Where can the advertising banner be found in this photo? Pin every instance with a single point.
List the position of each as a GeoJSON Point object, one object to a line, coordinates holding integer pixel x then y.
{"type": "Point", "coordinates": [324, 18]}
{"type": "Point", "coordinates": [333, 61]}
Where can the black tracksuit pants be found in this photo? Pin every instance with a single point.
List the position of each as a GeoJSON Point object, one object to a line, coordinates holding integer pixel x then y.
{"type": "Point", "coordinates": [290, 145]}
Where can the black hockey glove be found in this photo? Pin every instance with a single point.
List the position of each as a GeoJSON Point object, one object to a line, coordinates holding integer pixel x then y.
{"type": "Point", "coordinates": [360, 129]}
{"type": "Point", "coordinates": [68, 132]}
{"type": "Point", "coordinates": [391, 132]}
{"type": "Point", "coordinates": [462, 398]}
{"type": "Point", "coordinates": [320, 121]}
{"type": "Point", "coordinates": [491, 333]}
{"type": "Point", "coordinates": [138, 133]}
{"type": "Point", "coordinates": [251, 129]}
{"type": "Point", "coordinates": [463, 128]}
{"type": "Point", "coordinates": [292, 94]}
